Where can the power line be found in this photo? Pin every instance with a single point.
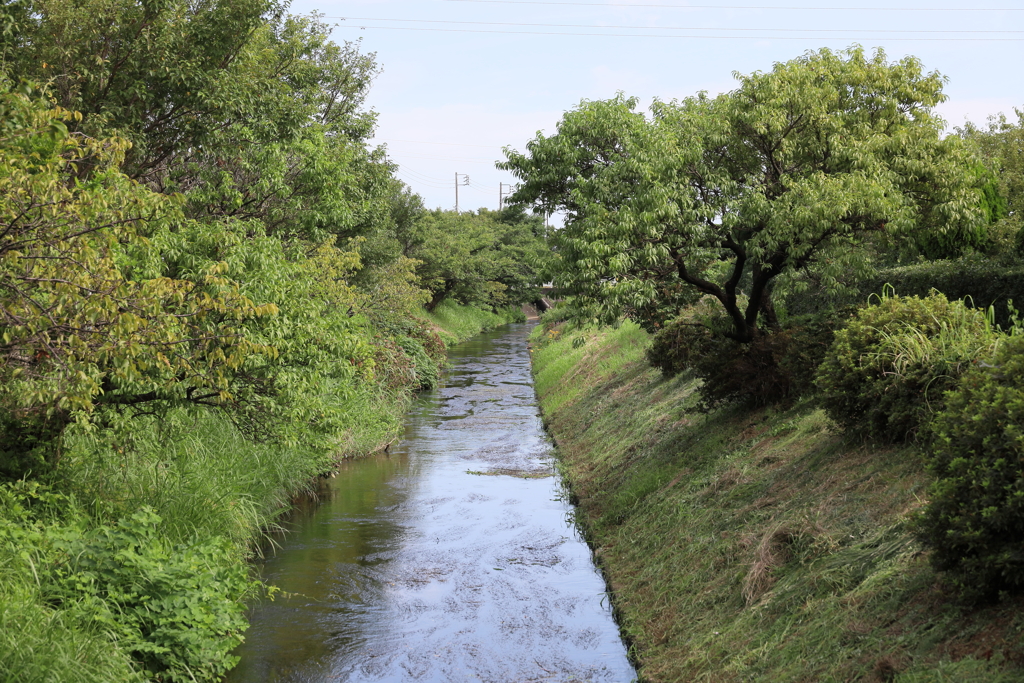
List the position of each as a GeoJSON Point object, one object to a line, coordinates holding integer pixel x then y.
{"type": "Point", "coordinates": [659, 35]}
{"type": "Point", "coordinates": [476, 160]}
{"type": "Point", "coordinates": [425, 176]}
{"type": "Point", "coordinates": [422, 177]}
{"type": "Point", "coordinates": [769, 7]}
{"type": "Point", "coordinates": [425, 142]}
{"type": "Point", "coordinates": [420, 183]}
{"type": "Point", "coordinates": [669, 28]}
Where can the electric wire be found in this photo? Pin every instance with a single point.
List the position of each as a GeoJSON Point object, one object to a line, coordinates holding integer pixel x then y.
{"type": "Point", "coordinates": [675, 28]}
{"type": "Point", "coordinates": [425, 179]}
{"type": "Point", "coordinates": [425, 176]}
{"type": "Point", "coordinates": [477, 160]}
{"type": "Point", "coordinates": [656, 35]}
{"type": "Point", "coordinates": [421, 183]}
{"type": "Point", "coordinates": [425, 142]}
{"type": "Point", "coordinates": [759, 7]}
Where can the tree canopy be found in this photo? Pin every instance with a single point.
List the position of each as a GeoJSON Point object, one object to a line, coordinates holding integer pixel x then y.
{"type": "Point", "coordinates": [788, 175]}
{"type": "Point", "coordinates": [1000, 145]}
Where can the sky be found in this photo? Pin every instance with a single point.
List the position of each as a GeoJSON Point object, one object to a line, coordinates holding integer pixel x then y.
{"type": "Point", "coordinates": [462, 79]}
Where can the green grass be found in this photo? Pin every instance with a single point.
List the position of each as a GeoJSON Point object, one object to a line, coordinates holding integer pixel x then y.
{"type": "Point", "coordinates": [39, 644]}
{"type": "Point", "coordinates": [195, 470]}
{"type": "Point", "coordinates": [457, 322]}
{"type": "Point", "coordinates": [754, 545]}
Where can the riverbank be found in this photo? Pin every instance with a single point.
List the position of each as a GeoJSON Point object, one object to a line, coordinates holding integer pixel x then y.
{"type": "Point", "coordinates": [161, 515]}
{"type": "Point", "coordinates": [754, 545]}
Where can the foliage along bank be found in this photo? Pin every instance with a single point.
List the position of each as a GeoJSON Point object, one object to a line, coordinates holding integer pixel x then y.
{"type": "Point", "coordinates": [753, 543]}
{"type": "Point", "coordinates": [825, 481]}
{"type": "Point", "coordinates": [212, 289]}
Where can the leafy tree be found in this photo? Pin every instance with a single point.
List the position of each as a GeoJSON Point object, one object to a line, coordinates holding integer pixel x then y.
{"type": "Point", "coordinates": [475, 258]}
{"type": "Point", "coordinates": [249, 113]}
{"type": "Point", "coordinates": [454, 254]}
{"type": "Point", "coordinates": [1001, 147]}
{"type": "Point", "coordinates": [735, 195]}
{"type": "Point", "coordinates": [154, 71]}
{"type": "Point", "coordinates": [291, 151]}
{"type": "Point", "coordinates": [82, 324]}
{"type": "Point", "coordinates": [521, 253]}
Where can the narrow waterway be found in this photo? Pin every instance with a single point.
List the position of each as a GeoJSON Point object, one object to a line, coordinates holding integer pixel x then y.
{"type": "Point", "coordinates": [452, 559]}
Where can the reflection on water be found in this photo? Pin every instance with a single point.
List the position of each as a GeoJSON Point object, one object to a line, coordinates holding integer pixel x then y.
{"type": "Point", "coordinates": [452, 559]}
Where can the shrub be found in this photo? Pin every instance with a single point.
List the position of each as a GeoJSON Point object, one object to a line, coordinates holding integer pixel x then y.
{"type": "Point", "coordinates": [887, 370]}
{"type": "Point", "coordinates": [974, 522]}
{"type": "Point", "coordinates": [742, 372]}
{"type": "Point", "coordinates": [983, 282]}
{"type": "Point", "coordinates": [772, 368]}
{"type": "Point", "coordinates": [176, 608]}
{"type": "Point", "coordinates": [680, 342]}
{"type": "Point", "coordinates": [425, 368]}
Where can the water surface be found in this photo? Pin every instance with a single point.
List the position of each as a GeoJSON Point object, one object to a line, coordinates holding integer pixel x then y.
{"type": "Point", "coordinates": [451, 559]}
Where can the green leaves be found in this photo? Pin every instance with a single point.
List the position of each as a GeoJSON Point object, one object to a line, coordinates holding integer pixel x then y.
{"type": "Point", "coordinates": [772, 180]}
{"type": "Point", "coordinates": [973, 521]}
{"type": "Point", "coordinates": [85, 321]}
{"type": "Point", "coordinates": [886, 372]}
{"type": "Point", "coordinates": [177, 608]}
{"type": "Point", "coordinates": [486, 258]}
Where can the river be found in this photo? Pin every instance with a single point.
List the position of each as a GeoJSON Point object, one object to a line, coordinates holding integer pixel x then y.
{"type": "Point", "coordinates": [452, 558]}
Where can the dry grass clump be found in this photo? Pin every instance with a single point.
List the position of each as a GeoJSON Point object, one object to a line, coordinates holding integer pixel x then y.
{"type": "Point", "coordinates": [887, 669]}
{"type": "Point", "coordinates": [774, 551]}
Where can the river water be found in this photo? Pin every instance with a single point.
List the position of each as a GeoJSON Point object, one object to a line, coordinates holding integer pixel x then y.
{"type": "Point", "coordinates": [453, 558]}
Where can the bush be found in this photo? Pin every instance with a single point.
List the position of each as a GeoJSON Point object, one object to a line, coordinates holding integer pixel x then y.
{"type": "Point", "coordinates": [983, 282]}
{"type": "Point", "coordinates": [772, 368]}
{"type": "Point", "coordinates": [176, 608]}
{"type": "Point", "coordinates": [681, 342]}
{"type": "Point", "coordinates": [975, 520]}
{"type": "Point", "coordinates": [885, 374]}
{"type": "Point", "coordinates": [426, 369]}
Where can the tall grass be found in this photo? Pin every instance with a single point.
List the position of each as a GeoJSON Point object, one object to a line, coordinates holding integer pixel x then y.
{"type": "Point", "coordinates": [459, 322]}
{"type": "Point", "coordinates": [961, 338]}
{"type": "Point", "coordinates": [195, 470]}
{"type": "Point", "coordinates": [203, 477]}
{"type": "Point", "coordinates": [40, 644]}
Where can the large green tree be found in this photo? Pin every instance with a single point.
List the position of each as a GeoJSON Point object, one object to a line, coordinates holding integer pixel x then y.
{"type": "Point", "coordinates": [84, 322]}
{"type": "Point", "coordinates": [1000, 144]}
{"type": "Point", "coordinates": [247, 111]}
{"type": "Point", "coordinates": [730, 195]}
{"type": "Point", "coordinates": [175, 240]}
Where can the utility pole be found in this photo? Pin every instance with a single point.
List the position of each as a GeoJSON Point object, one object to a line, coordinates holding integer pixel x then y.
{"type": "Point", "coordinates": [464, 182]}
{"type": "Point", "coordinates": [502, 194]}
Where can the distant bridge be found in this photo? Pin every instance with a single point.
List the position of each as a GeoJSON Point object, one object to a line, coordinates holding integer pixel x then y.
{"type": "Point", "coordinates": [546, 302]}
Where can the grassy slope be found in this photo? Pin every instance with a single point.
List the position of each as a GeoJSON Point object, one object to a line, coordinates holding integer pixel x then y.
{"type": "Point", "coordinates": [456, 323]}
{"type": "Point", "coordinates": [754, 545]}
